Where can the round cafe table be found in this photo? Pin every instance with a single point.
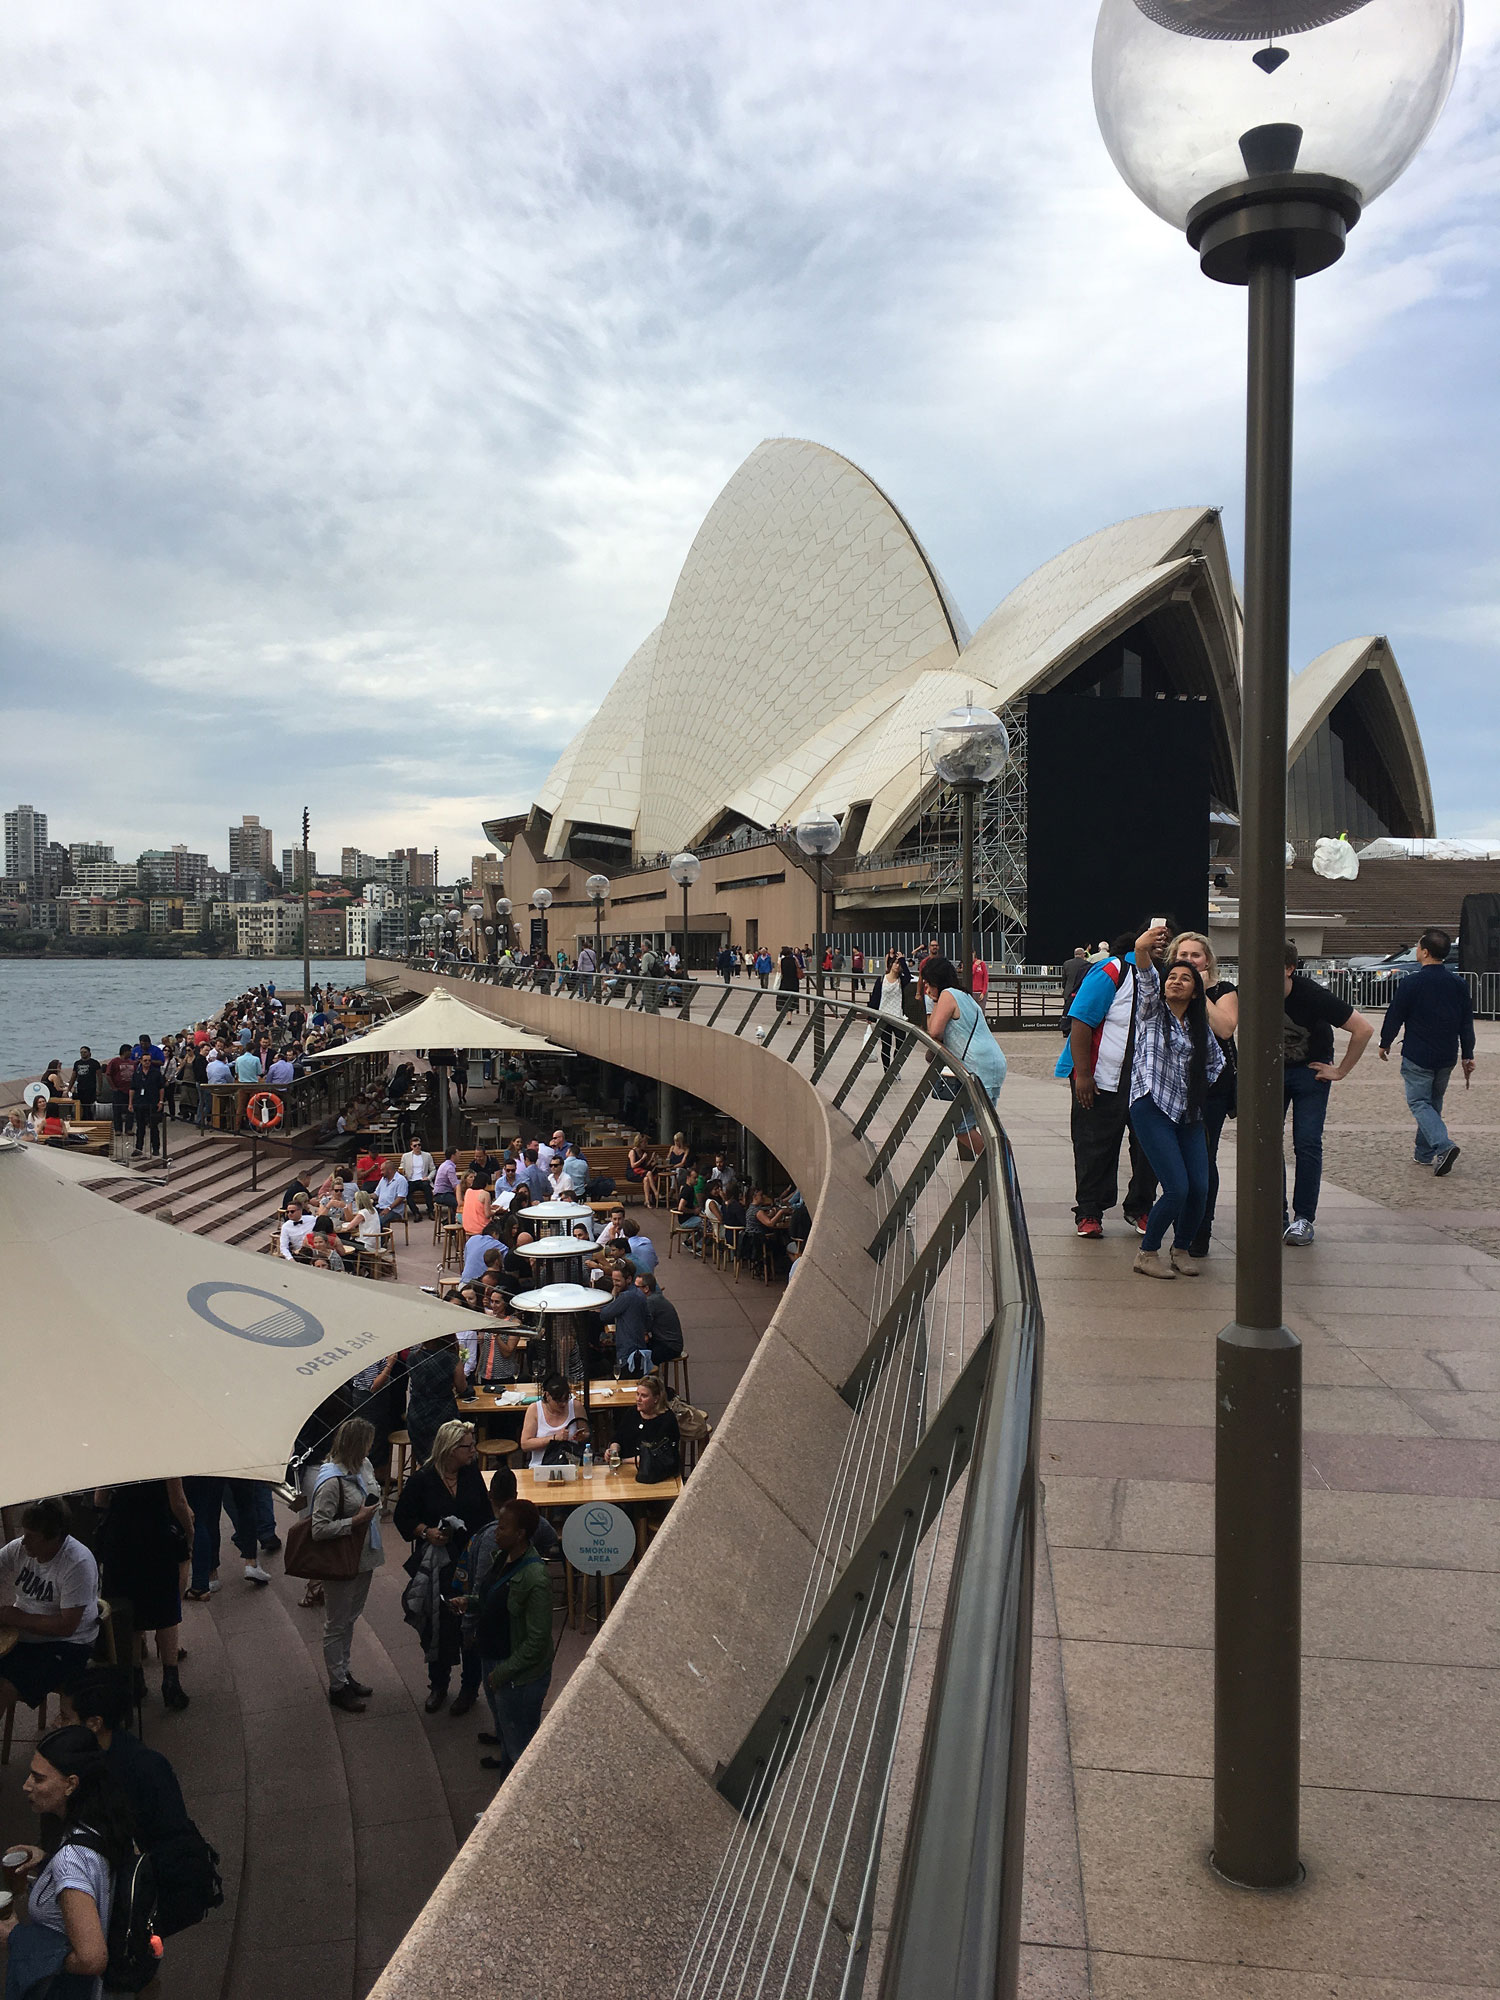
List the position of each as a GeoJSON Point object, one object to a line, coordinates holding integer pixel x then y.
{"type": "Point", "coordinates": [558, 1258]}
{"type": "Point", "coordinates": [557, 1217]}
{"type": "Point", "coordinates": [555, 1305]}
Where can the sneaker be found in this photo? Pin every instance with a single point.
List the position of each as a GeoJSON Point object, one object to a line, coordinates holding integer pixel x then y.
{"type": "Point", "coordinates": [1184, 1263]}
{"type": "Point", "coordinates": [1138, 1223]}
{"type": "Point", "coordinates": [1443, 1164]}
{"type": "Point", "coordinates": [1089, 1225]}
{"type": "Point", "coordinates": [346, 1699]}
{"type": "Point", "coordinates": [1152, 1264]}
{"type": "Point", "coordinates": [213, 1584]}
{"type": "Point", "coordinates": [255, 1574]}
{"type": "Point", "coordinates": [1299, 1233]}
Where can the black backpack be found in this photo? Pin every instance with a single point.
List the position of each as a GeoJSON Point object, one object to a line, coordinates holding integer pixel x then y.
{"type": "Point", "coordinates": [188, 1884]}
{"type": "Point", "coordinates": [135, 1949]}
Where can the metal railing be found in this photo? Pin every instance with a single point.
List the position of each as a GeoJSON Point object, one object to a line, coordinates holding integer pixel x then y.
{"type": "Point", "coordinates": [842, 1875]}
{"type": "Point", "coordinates": [1373, 990]}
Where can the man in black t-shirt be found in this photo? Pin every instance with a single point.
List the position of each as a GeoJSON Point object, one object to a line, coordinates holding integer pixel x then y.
{"type": "Point", "coordinates": [1310, 1015]}
{"type": "Point", "coordinates": [86, 1075]}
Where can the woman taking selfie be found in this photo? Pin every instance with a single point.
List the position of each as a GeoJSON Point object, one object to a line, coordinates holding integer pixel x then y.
{"type": "Point", "coordinates": [1193, 948]}
{"type": "Point", "coordinates": [1177, 1058]}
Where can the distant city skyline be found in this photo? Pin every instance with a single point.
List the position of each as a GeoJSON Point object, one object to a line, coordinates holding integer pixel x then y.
{"type": "Point", "coordinates": [360, 422]}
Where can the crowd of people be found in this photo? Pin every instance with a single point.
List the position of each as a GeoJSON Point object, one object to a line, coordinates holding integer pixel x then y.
{"type": "Point", "coordinates": [1149, 1051]}
{"type": "Point", "coordinates": [257, 1041]}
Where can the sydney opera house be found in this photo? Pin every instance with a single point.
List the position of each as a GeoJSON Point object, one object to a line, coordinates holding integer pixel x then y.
{"type": "Point", "coordinates": [809, 647]}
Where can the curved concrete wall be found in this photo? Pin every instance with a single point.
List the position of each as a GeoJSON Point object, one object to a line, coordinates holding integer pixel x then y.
{"type": "Point", "coordinates": [598, 1855]}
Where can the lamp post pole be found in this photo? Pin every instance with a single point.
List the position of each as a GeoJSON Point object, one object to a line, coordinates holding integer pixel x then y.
{"type": "Point", "coordinates": [966, 796]}
{"type": "Point", "coordinates": [306, 915]}
{"type": "Point", "coordinates": [598, 951]}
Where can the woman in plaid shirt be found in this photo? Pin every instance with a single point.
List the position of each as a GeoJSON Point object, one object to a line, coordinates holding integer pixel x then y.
{"type": "Point", "coordinates": [1176, 1059]}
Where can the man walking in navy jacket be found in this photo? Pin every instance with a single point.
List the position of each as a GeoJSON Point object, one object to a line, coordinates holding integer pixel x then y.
{"type": "Point", "coordinates": [1433, 1007]}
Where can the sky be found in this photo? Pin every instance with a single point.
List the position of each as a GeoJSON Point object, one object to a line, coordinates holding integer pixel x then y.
{"type": "Point", "coordinates": [368, 369]}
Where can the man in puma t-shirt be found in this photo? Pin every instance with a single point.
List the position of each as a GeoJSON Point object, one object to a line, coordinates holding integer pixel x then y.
{"type": "Point", "coordinates": [1308, 1071]}
{"type": "Point", "coordinates": [49, 1597]}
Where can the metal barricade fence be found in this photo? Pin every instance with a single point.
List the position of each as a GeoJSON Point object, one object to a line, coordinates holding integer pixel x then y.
{"type": "Point", "coordinates": [914, 1634]}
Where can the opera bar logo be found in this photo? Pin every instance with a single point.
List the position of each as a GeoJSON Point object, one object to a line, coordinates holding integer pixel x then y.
{"type": "Point", "coordinates": [255, 1315]}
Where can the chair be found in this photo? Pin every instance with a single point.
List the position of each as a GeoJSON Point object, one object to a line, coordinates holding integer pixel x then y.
{"type": "Point", "coordinates": [376, 1263]}
{"type": "Point", "coordinates": [692, 1229]}
{"type": "Point", "coordinates": [390, 1227]}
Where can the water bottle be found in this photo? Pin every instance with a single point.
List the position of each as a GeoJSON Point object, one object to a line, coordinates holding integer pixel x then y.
{"type": "Point", "coordinates": [588, 1461]}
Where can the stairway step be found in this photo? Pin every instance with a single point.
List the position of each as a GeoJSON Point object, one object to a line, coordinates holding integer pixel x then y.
{"type": "Point", "coordinates": [403, 1832]}
{"type": "Point", "coordinates": [295, 1929]}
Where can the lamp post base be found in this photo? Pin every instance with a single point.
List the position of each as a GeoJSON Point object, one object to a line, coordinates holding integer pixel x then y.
{"type": "Point", "coordinates": [1257, 1606]}
{"type": "Point", "coordinates": [1301, 220]}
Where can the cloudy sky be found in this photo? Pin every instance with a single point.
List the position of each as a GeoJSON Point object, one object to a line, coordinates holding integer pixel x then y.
{"type": "Point", "coordinates": [368, 368]}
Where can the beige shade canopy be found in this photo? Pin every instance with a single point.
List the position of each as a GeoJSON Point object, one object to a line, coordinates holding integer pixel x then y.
{"type": "Point", "coordinates": [133, 1351]}
{"type": "Point", "coordinates": [442, 1021]}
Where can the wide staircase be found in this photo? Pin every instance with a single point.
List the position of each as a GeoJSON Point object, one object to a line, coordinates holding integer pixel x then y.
{"type": "Point", "coordinates": [206, 1187]}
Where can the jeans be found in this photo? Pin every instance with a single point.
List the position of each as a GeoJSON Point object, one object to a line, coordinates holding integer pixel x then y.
{"type": "Point", "coordinates": [1308, 1097]}
{"type": "Point", "coordinates": [147, 1119]}
{"type": "Point", "coordinates": [1215, 1111]}
{"type": "Point", "coordinates": [252, 1511]}
{"type": "Point", "coordinates": [517, 1713]}
{"type": "Point", "coordinates": [205, 1106]}
{"type": "Point", "coordinates": [1096, 1134]}
{"type": "Point", "coordinates": [120, 1110]}
{"type": "Point", "coordinates": [343, 1600]}
{"type": "Point", "coordinates": [1425, 1090]}
{"type": "Point", "coordinates": [1179, 1155]}
{"type": "Point", "coordinates": [206, 1498]}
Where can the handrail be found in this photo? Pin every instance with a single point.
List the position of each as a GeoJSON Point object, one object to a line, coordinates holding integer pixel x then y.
{"type": "Point", "coordinates": [955, 1925]}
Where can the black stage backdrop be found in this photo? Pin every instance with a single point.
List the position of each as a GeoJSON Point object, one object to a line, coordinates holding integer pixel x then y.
{"type": "Point", "coordinates": [1117, 819]}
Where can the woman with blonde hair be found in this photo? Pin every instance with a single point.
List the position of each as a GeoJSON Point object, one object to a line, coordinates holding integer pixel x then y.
{"type": "Point", "coordinates": [441, 1506]}
{"type": "Point", "coordinates": [1193, 948]}
{"type": "Point", "coordinates": [346, 1501]}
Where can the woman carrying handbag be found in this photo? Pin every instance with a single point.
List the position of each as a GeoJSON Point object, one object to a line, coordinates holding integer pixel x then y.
{"type": "Point", "coordinates": [344, 1538]}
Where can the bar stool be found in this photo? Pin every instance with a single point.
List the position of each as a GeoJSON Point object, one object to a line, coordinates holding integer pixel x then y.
{"type": "Point", "coordinates": [453, 1244]}
{"type": "Point", "coordinates": [400, 1442]}
{"type": "Point", "coordinates": [674, 1372]}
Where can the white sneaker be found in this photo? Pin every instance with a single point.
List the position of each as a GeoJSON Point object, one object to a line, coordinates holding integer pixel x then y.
{"type": "Point", "coordinates": [255, 1574]}
{"type": "Point", "coordinates": [1299, 1233]}
{"type": "Point", "coordinates": [213, 1583]}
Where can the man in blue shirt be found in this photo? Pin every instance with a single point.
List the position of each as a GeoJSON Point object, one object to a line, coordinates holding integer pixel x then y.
{"type": "Point", "coordinates": [643, 1252]}
{"type": "Point", "coordinates": [1435, 1015]}
{"type": "Point", "coordinates": [1096, 1057]}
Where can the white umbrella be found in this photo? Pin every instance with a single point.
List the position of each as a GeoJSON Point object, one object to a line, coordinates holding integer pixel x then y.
{"type": "Point", "coordinates": [155, 1352]}
{"type": "Point", "coordinates": [442, 1021]}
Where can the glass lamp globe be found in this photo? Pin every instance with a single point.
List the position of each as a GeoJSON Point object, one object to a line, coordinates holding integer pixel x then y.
{"type": "Point", "coordinates": [476, 911]}
{"type": "Point", "coordinates": [541, 899]}
{"type": "Point", "coordinates": [970, 746]}
{"type": "Point", "coordinates": [502, 906]}
{"type": "Point", "coordinates": [818, 832]}
{"type": "Point", "coordinates": [1194, 96]}
{"type": "Point", "coordinates": [685, 870]}
{"type": "Point", "coordinates": [596, 888]}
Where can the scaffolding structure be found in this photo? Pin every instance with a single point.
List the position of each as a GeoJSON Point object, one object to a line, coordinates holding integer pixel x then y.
{"type": "Point", "coordinates": [999, 844]}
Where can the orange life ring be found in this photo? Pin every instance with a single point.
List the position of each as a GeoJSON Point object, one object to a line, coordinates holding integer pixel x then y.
{"type": "Point", "coordinates": [274, 1109]}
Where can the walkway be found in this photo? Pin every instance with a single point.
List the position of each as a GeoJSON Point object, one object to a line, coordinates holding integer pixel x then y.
{"type": "Point", "coordinates": [1398, 1304]}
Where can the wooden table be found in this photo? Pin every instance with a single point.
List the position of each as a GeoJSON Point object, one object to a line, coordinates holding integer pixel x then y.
{"type": "Point", "coordinates": [619, 1489]}
{"type": "Point", "coordinates": [605, 1393]}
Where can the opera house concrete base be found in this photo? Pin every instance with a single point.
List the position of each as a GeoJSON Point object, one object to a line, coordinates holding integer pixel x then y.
{"type": "Point", "coordinates": [597, 1858]}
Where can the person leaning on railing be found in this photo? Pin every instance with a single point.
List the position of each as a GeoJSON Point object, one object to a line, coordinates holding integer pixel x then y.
{"type": "Point", "coordinates": [954, 1019]}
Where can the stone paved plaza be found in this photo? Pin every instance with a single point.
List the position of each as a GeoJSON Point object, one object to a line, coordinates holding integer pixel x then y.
{"type": "Point", "coordinates": [1398, 1305]}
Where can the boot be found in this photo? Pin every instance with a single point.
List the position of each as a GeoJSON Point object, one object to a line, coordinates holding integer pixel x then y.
{"type": "Point", "coordinates": [1152, 1264]}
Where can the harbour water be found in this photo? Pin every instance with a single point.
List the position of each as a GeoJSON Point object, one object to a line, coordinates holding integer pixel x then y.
{"type": "Point", "coordinates": [49, 1006]}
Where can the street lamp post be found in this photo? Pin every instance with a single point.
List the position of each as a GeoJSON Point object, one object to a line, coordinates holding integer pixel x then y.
{"type": "Point", "coordinates": [1263, 128]}
{"type": "Point", "coordinates": [818, 834]}
{"type": "Point", "coordinates": [541, 902]}
{"type": "Point", "coordinates": [685, 870]}
{"type": "Point", "coordinates": [970, 749]}
{"type": "Point", "coordinates": [502, 920]}
{"type": "Point", "coordinates": [597, 890]}
{"type": "Point", "coordinates": [306, 917]}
